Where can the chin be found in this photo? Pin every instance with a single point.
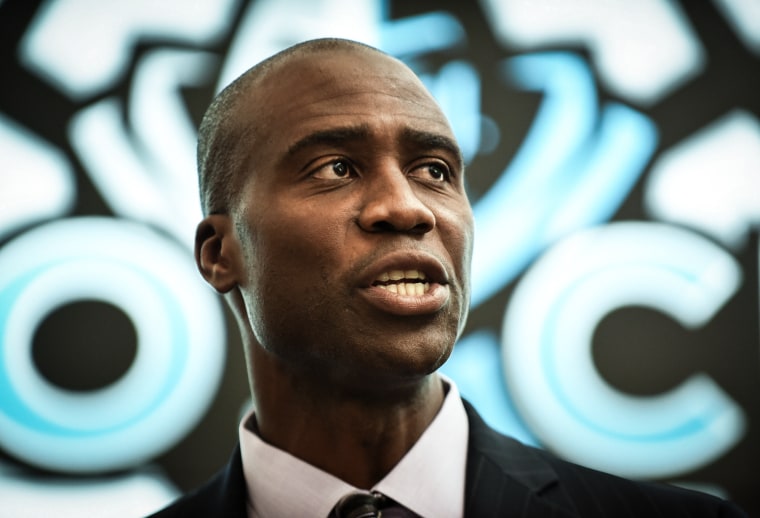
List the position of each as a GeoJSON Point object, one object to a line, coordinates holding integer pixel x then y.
{"type": "Point", "coordinates": [418, 356]}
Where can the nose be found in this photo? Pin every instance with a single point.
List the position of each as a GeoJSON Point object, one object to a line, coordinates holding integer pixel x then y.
{"type": "Point", "coordinates": [390, 204]}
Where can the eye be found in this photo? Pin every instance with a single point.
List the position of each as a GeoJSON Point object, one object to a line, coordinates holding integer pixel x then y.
{"type": "Point", "coordinates": [338, 168]}
{"type": "Point", "coordinates": [437, 172]}
{"type": "Point", "coordinates": [434, 171]}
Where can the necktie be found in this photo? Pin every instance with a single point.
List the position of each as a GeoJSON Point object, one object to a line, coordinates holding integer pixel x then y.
{"type": "Point", "coordinates": [366, 504]}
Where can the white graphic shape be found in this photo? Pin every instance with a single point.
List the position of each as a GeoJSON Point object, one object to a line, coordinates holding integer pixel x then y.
{"type": "Point", "coordinates": [269, 26]}
{"type": "Point", "coordinates": [147, 175]}
{"type": "Point", "coordinates": [711, 180]}
{"type": "Point", "coordinates": [138, 493]}
{"type": "Point", "coordinates": [83, 58]}
{"type": "Point", "coordinates": [642, 50]}
{"type": "Point", "coordinates": [180, 350]}
{"type": "Point", "coordinates": [744, 16]}
{"type": "Point", "coordinates": [547, 339]}
{"type": "Point", "coordinates": [115, 166]}
{"type": "Point", "coordinates": [36, 181]}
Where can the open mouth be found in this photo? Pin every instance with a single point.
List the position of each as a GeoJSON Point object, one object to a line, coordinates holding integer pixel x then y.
{"type": "Point", "coordinates": [403, 282]}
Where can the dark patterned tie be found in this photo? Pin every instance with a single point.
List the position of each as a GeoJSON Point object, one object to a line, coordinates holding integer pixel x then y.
{"type": "Point", "coordinates": [366, 504]}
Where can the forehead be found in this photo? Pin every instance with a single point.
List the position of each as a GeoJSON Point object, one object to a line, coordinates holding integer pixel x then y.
{"type": "Point", "coordinates": [314, 92]}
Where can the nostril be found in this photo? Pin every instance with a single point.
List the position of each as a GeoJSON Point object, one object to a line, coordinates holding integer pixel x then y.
{"type": "Point", "coordinates": [387, 226]}
{"type": "Point", "coordinates": [421, 228]}
{"type": "Point", "coordinates": [383, 226]}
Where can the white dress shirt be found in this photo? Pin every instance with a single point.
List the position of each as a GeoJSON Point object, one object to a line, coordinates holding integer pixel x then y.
{"type": "Point", "coordinates": [429, 479]}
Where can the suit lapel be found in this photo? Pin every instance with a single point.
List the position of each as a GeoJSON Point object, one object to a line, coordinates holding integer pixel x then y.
{"type": "Point", "coordinates": [506, 478]}
{"type": "Point", "coordinates": [226, 493]}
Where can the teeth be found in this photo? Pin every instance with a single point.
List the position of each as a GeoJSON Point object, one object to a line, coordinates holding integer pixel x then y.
{"type": "Point", "coordinates": [397, 275]}
{"type": "Point", "coordinates": [403, 282]}
{"type": "Point", "coordinates": [407, 288]}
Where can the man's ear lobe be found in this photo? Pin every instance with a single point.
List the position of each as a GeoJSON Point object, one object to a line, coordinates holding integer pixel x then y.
{"type": "Point", "coordinates": [217, 252]}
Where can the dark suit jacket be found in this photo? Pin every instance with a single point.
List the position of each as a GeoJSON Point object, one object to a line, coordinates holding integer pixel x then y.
{"type": "Point", "coordinates": [507, 479]}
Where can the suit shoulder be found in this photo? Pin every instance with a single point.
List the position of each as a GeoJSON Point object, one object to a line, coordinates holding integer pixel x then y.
{"type": "Point", "coordinates": [199, 502]}
{"type": "Point", "coordinates": [588, 487]}
{"type": "Point", "coordinates": [222, 495]}
{"type": "Point", "coordinates": [498, 464]}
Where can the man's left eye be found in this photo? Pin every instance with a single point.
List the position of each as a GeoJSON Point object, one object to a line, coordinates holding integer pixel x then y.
{"type": "Point", "coordinates": [337, 169]}
{"type": "Point", "coordinates": [437, 172]}
{"type": "Point", "coordinates": [340, 168]}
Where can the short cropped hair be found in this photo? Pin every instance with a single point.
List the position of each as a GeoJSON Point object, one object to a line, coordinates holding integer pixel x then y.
{"type": "Point", "coordinates": [220, 132]}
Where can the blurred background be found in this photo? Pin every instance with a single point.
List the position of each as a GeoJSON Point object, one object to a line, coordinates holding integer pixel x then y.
{"type": "Point", "coordinates": [613, 154]}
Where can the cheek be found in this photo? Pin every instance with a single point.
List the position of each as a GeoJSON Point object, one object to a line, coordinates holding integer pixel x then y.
{"type": "Point", "coordinates": [292, 266]}
{"type": "Point", "coordinates": [457, 230]}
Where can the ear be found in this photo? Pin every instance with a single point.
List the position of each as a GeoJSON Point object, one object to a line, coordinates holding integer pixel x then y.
{"type": "Point", "coordinates": [217, 252]}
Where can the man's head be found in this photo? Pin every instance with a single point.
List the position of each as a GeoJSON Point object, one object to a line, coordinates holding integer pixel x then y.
{"type": "Point", "coordinates": [222, 135]}
{"type": "Point", "coordinates": [337, 219]}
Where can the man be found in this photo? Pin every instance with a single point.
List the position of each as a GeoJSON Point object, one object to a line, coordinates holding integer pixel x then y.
{"type": "Point", "coordinates": [339, 231]}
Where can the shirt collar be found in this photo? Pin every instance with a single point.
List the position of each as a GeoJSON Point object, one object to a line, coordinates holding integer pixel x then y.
{"type": "Point", "coordinates": [429, 479]}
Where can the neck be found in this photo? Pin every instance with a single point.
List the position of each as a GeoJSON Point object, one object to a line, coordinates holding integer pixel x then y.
{"type": "Point", "coordinates": [356, 435]}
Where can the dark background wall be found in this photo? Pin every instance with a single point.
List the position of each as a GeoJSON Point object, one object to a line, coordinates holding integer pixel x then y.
{"type": "Point", "coordinates": [614, 168]}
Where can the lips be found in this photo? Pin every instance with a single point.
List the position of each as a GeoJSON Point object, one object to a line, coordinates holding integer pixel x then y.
{"type": "Point", "coordinates": [407, 284]}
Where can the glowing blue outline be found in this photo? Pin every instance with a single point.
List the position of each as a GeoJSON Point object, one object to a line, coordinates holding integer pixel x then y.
{"type": "Point", "coordinates": [583, 161]}
{"type": "Point", "coordinates": [480, 351]}
{"type": "Point", "coordinates": [549, 367]}
{"type": "Point", "coordinates": [456, 87]}
{"type": "Point", "coordinates": [12, 405]}
{"type": "Point", "coordinates": [411, 36]}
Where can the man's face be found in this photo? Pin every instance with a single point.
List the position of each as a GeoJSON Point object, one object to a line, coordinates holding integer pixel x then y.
{"type": "Point", "coordinates": [353, 220]}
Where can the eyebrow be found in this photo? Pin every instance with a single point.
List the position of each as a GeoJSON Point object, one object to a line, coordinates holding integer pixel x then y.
{"type": "Point", "coordinates": [427, 140]}
{"type": "Point", "coordinates": [344, 135]}
{"type": "Point", "coordinates": [330, 137]}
